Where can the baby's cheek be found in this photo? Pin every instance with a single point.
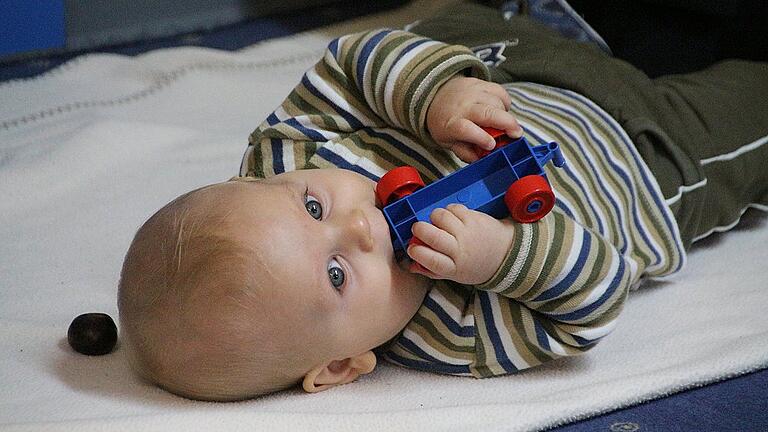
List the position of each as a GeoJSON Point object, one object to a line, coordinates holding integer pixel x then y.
{"type": "Point", "coordinates": [411, 292]}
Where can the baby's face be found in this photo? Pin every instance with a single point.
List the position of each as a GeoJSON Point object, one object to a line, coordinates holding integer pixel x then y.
{"type": "Point", "coordinates": [325, 250]}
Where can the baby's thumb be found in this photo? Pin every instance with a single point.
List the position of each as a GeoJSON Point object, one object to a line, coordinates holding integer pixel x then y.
{"type": "Point", "coordinates": [417, 268]}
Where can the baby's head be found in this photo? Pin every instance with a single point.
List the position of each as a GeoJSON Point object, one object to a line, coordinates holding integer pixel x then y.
{"type": "Point", "coordinates": [250, 286]}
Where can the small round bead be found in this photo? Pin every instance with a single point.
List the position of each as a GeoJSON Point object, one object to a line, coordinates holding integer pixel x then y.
{"type": "Point", "coordinates": [92, 334]}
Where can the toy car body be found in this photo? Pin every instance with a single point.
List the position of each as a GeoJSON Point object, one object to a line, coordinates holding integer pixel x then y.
{"type": "Point", "coordinates": [510, 180]}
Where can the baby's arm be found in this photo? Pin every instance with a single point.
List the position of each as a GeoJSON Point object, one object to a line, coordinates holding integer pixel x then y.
{"type": "Point", "coordinates": [566, 284]}
{"type": "Point", "coordinates": [365, 83]}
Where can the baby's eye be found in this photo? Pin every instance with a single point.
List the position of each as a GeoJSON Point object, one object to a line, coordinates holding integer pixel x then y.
{"type": "Point", "coordinates": [314, 208]}
{"type": "Point", "coordinates": [335, 273]}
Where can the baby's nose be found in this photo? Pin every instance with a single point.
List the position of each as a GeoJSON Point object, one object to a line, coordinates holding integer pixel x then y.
{"type": "Point", "coordinates": [358, 230]}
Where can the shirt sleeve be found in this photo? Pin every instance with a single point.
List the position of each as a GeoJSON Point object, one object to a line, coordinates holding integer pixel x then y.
{"type": "Point", "coordinates": [558, 292]}
{"type": "Point", "coordinates": [380, 79]}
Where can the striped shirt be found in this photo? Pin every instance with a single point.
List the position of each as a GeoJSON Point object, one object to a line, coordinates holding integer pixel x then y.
{"type": "Point", "coordinates": [563, 283]}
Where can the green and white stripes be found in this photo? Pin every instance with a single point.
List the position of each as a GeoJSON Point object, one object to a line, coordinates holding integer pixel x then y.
{"type": "Point", "coordinates": [564, 282]}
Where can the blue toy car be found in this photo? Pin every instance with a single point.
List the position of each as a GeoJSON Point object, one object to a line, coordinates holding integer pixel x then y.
{"type": "Point", "coordinates": [508, 181]}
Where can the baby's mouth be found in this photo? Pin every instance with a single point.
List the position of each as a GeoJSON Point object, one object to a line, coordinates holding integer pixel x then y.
{"type": "Point", "coordinates": [379, 224]}
{"type": "Point", "coordinates": [376, 202]}
{"type": "Point", "coordinates": [401, 256]}
{"type": "Point", "coordinates": [403, 260]}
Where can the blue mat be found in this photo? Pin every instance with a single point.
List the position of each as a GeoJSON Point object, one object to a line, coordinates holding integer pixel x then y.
{"type": "Point", "coordinates": [737, 404]}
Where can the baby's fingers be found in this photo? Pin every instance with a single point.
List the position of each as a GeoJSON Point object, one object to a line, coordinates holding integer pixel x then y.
{"type": "Point", "coordinates": [465, 152]}
{"type": "Point", "coordinates": [462, 214]}
{"type": "Point", "coordinates": [490, 116]}
{"type": "Point", "coordinates": [436, 264]}
{"type": "Point", "coordinates": [498, 92]}
{"type": "Point", "coordinates": [435, 238]}
{"type": "Point", "coordinates": [447, 221]}
{"type": "Point", "coordinates": [463, 130]}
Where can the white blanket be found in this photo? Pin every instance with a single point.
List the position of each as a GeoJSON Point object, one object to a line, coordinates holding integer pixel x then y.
{"type": "Point", "coordinates": [90, 150]}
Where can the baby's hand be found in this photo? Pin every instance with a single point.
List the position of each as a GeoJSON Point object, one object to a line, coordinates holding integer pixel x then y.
{"type": "Point", "coordinates": [461, 106]}
{"type": "Point", "coordinates": [460, 244]}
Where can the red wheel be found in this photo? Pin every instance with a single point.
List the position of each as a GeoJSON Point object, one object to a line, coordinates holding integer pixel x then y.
{"type": "Point", "coordinates": [499, 136]}
{"type": "Point", "coordinates": [398, 183]}
{"type": "Point", "coordinates": [495, 133]}
{"type": "Point", "coordinates": [529, 199]}
{"type": "Point", "coordinates": [416, 241]}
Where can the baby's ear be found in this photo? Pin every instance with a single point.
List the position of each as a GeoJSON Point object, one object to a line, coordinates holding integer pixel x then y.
{"type": "Point", "coordinates": [338, 372]}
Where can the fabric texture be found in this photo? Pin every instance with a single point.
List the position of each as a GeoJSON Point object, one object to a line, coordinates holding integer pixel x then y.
{"type": "Point", "coordinates": [564, 281]}
{"type": "Point", "coordinates": [557, 15]}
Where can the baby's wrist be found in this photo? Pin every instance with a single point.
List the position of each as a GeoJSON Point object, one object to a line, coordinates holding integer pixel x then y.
{"type": "Point", "coordinates": [433, 111]}
{"type": "Point", "coordinates": [504, 250]}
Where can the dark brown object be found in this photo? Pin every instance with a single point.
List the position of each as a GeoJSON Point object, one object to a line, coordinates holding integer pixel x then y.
{"type": "Point", "coordinates": [92, 334]}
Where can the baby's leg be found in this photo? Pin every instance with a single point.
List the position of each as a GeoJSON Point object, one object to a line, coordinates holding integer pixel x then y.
{"type": "Point", "coordinates": [726, 109]}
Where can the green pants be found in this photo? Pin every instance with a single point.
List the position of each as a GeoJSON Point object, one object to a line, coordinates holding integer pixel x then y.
{"type": "Point", "coordinates": [704, 135]}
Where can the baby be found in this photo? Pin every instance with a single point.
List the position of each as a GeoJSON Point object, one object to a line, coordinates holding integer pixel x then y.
{"type": "Point", "coordinates": [286, 274]}
{"type": "Point", "coordinates": [248, 286]}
